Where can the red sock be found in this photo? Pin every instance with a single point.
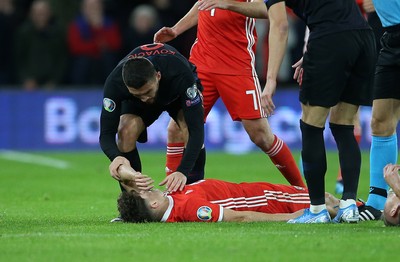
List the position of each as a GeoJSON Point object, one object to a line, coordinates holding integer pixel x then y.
{"type": "Point", "coordinates": [174, 157]}
{"type": "Point", "coordinates": [283, 159]}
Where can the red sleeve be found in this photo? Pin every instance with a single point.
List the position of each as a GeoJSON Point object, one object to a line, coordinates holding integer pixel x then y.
{"type": "Point", "coordinates": [198, 210]}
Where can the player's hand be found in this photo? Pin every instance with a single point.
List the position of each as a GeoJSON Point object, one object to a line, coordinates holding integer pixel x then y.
{"type": "Point", "coordinates": [165, 34]}
{"type": "Point", "coordinates": [266, 97]}
{"type": "Point", "coordinates": [391, 175]}
{"type": "Point", "coordinates": [143, 182]}
{"type": "Point", "coordinates": [174, 182]}
{"type": "Point", "coordinates": [115, 164]}
{"type": "Point", "coordinates": [298, 72]}
{"type": "Point", "coordinates": [368, 6]}
{"type": "Point", "coordinates": [211, 4]}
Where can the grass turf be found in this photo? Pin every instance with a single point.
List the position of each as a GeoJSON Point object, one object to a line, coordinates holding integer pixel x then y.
{"type": "Point", "coordinates": [52, 214]}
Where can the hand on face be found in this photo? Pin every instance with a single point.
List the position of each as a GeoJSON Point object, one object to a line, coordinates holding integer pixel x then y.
{"type": "Point", "coordinates": [391, 175]}
{"type": "Point", "coordinates": [174, 182]}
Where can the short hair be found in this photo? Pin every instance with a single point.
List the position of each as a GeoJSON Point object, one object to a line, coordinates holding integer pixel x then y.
{"type": "Point", "coordinates": [137, 71]}
{"type": "Point", "coordinates": [132, 208]}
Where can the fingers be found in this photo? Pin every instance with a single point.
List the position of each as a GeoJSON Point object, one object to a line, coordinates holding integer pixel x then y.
{"type": "Point", "coordinates": [174, 182]}
{"type": "Point", "coordinates": [298, 75]}
{"type": "Point", "coordinates": [144, 182]}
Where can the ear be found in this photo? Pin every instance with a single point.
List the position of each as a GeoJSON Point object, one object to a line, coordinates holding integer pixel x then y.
{"type": "Point", "coordinates": [154, 204]}
{"type": "Point", "coordinates": [158, 75]}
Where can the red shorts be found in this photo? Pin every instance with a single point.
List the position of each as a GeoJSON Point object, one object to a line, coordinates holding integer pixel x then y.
{"type": "Point", "coordinates": [240, 94]}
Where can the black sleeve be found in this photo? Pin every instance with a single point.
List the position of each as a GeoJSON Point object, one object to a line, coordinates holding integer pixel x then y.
{"type": "Point", "coordinates": [195, 123]}
{"type": "Point", "coordinates": [179, 83]}
{"type": "Point", "coordinates": [193, 111]}
{"type": "Point", "coordinates": [113, 96]}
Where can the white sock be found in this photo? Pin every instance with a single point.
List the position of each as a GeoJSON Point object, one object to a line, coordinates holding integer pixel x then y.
{"type": "Point", "coordinates": [346, 203]}
{"type": "Point", "coordinates": [315, 209]}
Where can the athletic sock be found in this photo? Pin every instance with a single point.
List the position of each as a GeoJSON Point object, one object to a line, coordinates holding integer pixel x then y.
{"type": "Point", "coordinates": [174, 156]}
{"type": "Point", "coordinates": [346, 203]}
{"type": "Point", "coordinates": [314, 161]}
{"type": "Point", "coordinates": [349, 158]}
{"type": "Point", "coordinates": [197, 172]}
{"type": "Point", "coordinates": [383, 151]}
{"type": "Point", "coordinates": [281, 156]}
{"type": "Point", "coordinates": [315, 209]}
{"type": "Point", "coordinates": [358, 136]}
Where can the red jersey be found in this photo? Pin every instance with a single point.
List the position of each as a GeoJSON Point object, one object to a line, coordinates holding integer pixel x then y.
{"type": "Point", "coordinates": [204, 201]}
{"type": "Point", "coordinates": [225, 44]}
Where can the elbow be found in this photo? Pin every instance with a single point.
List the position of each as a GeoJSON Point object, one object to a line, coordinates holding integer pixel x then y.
{"type": "Point", "coordinates": [283, 27]}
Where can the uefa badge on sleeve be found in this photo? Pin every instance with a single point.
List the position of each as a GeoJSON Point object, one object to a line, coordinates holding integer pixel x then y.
{"type": "Point", "coordinates": [204, 213]}
{"type": "Point", "coordinates": [191, 92]}
{"type": "Point", "coordinates": [108, 104]}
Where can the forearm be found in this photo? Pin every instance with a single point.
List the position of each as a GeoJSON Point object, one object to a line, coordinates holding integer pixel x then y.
{"type": "Point", "coordinates": [252, 216]}
{"type": "Point", "coordinates": [195, 124]}
{"type": "Point", "coordinates": [278, 36]}
{"type": "Point", "coordinates": [188, 21]}
{"type": "Point", "coordinates": [249, 9]}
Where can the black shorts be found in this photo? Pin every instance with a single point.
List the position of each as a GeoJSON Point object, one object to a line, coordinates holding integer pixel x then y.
{"type": "Point", "coordinates": [387, 73]}
{"type": "Point", "coordinates": [339, 68]}
{"type": "Point", "coordinates": [149, 113]}
{"type": "Point", "coordinates": [387, 82]}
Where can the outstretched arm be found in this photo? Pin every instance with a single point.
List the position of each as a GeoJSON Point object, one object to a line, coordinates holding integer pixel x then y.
{"type": "Point", "coordinates": [134, 181]}
{"type": "Point", "coordinates": [167, 34]}
{"type": "Point", "coordinates": [278, 36]}
{"type": "Point", "coordinates": [252, 216]}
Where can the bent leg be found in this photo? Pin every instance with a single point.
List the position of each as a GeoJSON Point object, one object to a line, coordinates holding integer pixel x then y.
{"type": "Point", "coordinates": [175, 147]}
{"type": "Point", "coordinates": [260, 133]}
{"type": "Point", "coordinates": [129, 129]}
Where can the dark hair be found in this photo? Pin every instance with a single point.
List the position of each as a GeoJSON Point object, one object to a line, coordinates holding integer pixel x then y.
{"type": "Point", "coordinates": [132, 208]}
{"type": "Point", "coordinates": [136, 72]}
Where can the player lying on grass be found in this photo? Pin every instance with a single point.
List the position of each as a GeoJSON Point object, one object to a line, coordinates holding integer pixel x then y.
{"type": "Point", "coordinates": [391, 211]}
{"type": "Point", "coordinates": [211, 200]}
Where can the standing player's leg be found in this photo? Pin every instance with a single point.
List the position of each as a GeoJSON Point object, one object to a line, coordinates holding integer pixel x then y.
{"type": "Point", "coordinates": [314, 162]}
{"type": "Point", "coordinates": [357, 135]}
{"type": "Point", "coordinates": [241, 96]}
{"type": "Point", "coordinates": [342, 128]}
{"type": "Point", "coordinates": [385, 116]}
{"type": "Point", "coordinates": [261, 135]}
{"type": "Point", "coordinates": [175, 147]}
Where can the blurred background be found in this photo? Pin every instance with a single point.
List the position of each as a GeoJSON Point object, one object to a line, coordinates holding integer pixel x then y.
{"type": "Point", "coordinates": [55, 56]}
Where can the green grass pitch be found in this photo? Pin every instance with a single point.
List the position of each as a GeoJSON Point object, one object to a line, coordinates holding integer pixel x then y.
{"type": "Point", "coordinates": [62, 213]}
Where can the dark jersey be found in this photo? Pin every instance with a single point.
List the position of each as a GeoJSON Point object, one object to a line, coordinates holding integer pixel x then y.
{"type": "Point", "coordinates": [178, 84]}
{"type": "Point", "coordinates": [326, 16]}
